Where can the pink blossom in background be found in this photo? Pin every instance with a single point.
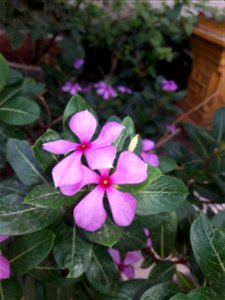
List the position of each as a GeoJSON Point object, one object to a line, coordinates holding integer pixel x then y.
{"type": "Point", "coordinates": [4, 267]}
{"type": "Point", "coordinates": [78, 63]}
{"type": "Point", "coordinates": [3, 238]}
{"type": "Point", "coordinates": [149, 241]}
{"type": "Point", "coordinates": [124, 90]}
{"type": "Point", "coordinates": [90, 213]}
{"type": "Point", "coordinates": [105, 90]}
{"type": "Point", "coordinates": [125, 266]}
{"type": "Point", "coordinates": [171, 128]}
{"type": "Point", "coordinates": [72, 88]}
{"type": "Point", "coordinates": [169, 86]}
{"type": "Point", "coordinates": [99, 153]}
{"type": "Point", "coordinates": [150, 158]}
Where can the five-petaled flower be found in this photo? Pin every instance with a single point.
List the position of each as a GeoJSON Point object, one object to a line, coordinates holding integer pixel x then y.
{"type": "Point", "coordinates": [125, 266]}
{"type": "Point", "coordinates": [78, 63]}
{"type": "Point", "coordinates": [99, 153]}
{"type": "Point", "coordinates": [105, 90]}
{"type": "Point", "coordinates": [169, 86]}
{"type": "Point", "coordinates": [151, 158]}
{"type": "Point", "coordinates": [4, 263]}
{"type": "Point", "coordinates": [72, 88]}
{"type": "Point", "coordinates": [90, 213]}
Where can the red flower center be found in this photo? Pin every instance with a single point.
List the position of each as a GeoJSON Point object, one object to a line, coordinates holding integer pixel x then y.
{"type": "Point", "coordinates": [121, 267]}
{"type": "Point", "coordinates": [83, 147]}
{"type": "Point", "coordinates": [105, 182]}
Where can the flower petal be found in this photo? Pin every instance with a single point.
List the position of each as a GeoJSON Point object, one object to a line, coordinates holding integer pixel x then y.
{"type": "Point", "coordinates": [129, 272]}
{"type": "Point", "coordinates": [122, 205]}
{"type": "Point", "coordinates": [83, 124]}
{"type": "Point", "coordinates": [115, 255]}
{"type": "Point", "coordinates": [4, 268]}
{"type": "Point", "coordinates": [132, 257]}
{"type": "Point", "coordinates": [130, 169]}
{"type": "Point", "coordinates": [101, 158]}
{"type": "Point", "coordinates": [147, 145]}
{"type": "Point", "coordinates": [108, 134]}
{"type": "Point", "coordinates": [68, 171]}
{"type": "Point", "coordinates": [151, 159]}
{"type": "Point", "coordinates": [60, 147]}
{"type": "Point", "coordinates": [89, 177]}
{"type": "Point", "coordinates": [89, 213]}
{"type": "Point", "coordinates": [3, 238]}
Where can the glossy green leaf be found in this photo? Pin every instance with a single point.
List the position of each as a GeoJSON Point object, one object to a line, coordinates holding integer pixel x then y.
{"type": "Point", "coordinates": [47, 196]}
{"type": "Point", "coordinates": [30, 250]}
{"type": "Point", "coordinates": [164, 194]}
{"type": "Point", "coordinates": [196, 294]}
{"type": "Point", "coordinates": [20, 157]}
{"type": "Point", "coordinates": [108, 235]}
{"type": "Point", "coordinates": [11, 186]}
{"type": "Point", "coordinates": [160, 291]}
{"type": "Point", "coordinates": [162, 271]}
{"type": "Point", "coordinates": [71, 251]}
{"type": "Point", "coordinates": [127, 133]}
{"type": "Point", "coordinates": [218, 125]}
{"type": "Point", "coordinates": [4, 73]}
{"type": "Point", "coordinates": [167, 164]}
{"type": "Point", "coordinates": [102, 272]}
{"type": "Point", "coordinates": [184, 282]}
{"type": "Point", "coordinates": [208, 244]}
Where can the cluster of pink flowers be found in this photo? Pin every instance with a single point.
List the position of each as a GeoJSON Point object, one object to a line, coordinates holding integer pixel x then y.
{"type": "Point", "coordinates": [4, 263]}
{"type": "Point", "coordinates": [147, 153]}
{"type": "Point", "coordinates": [106, 91]}
{"type": "Point", "coordinates": [70, 175]}
{"type": "Point", "coordinates": [169, 86]}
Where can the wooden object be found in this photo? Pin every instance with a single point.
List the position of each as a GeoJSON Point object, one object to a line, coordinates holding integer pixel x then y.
{"type": "Point", "coordinates": [208, 70]}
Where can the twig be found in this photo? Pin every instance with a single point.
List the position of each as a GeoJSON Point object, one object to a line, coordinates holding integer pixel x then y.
{"type": "Point", "coordinates": [48, 112]}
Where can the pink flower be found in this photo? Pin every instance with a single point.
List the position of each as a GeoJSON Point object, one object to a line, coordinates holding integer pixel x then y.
{"type": "Point", "coordinates": [78, 63]}
{"type": "Point", "coordinates": [99, 153]}
{"type": "Point", "coordinates": [90, 213]}
{"type": "Point", "coordinates": [71, 88]}
{"type": "Point", "coordinates": [125, 266]}
{"type": "Point", "coordinates": [150, 158]}
{"type": "Point", "coordinates": [171, 128]}
{"type": "Point", "coordinates": [4, 267]}
{"type": "Point", "coordinates": [124, 90]}
{"type": "Point", "coordinates": [104, 90]}
{"type": "Point", "coordinates": [4, 263]}
{"type": "Point", "coordinates": [149, 241]}
{"type": "Point", "coordinates": [169, 86]}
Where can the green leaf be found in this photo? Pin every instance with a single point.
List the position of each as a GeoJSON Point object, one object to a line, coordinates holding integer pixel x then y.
{"type": "Point", "coordinates": [219, 219]}
{"type": "Point", "coordinates": [47, 196]}
{"type": "Point", "coordinates": [75, 104]}
{"type": "Point", "coordinates": [166, 193]}
{"type": "Point", "coordinates": [71, 251]}
{"type": "Point", "coordinates": [164, 229]}
{"type": "Point", "coordinates": [21, 159]}
{"type": "Point", "coordinates": [102, 272]}
{"type": "Point", "coordinates": [107, 236]}
{"type": "Point", "coordinates": [160, 291]}
{"type": "Point", "coordinates": [162, 271]}
{"type": "Point", "coordinates": [128, 132]}
{"type": "Point", "coordinates": [16, 38]}
{"type": "Point", "coordinates": [153, 174]}
{"type": "Point", "coordinates": [208, 244]}
{"type": "Point", "coordinates": [12, 185]}
{"type": "Point", "coordinates": [184, 282]}
{"type": "Point", "coordinates": [17, 219]}
{"type": "Point", "coordinates": [10, 290]}
{"type": "Point", "coordinates": [4, 72]}
{"type": "Point", "coordinates": [218, 125]}
{"type": "Point", "coordinates": [45, 158]}
{"type": "Point", "coordinates": [167, 164]}
{"type": "Point", "coordinates": [19, 111]}
{"type": "Point", "coordinates": [30, 250]}
{"type": "Point", "coordinates": [196, 294]}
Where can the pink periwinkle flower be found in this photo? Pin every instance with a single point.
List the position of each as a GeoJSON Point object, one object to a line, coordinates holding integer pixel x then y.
{"type": "Point", "coordinates": [171, 128]}
{"type": "Point", "coordinates": [105, 90]}
{"type": "Point", "coordinates": [169, 86]}
{"type": "Point", "coordinates": [90, 213]}
{"type": "Point", "coordinates": [149, 241]}
{"type": "Point", "coordinates": [72, 88]}
{"type": "Point", "coordinates": [125, 266]}
{"type": "Point", "coordinates": [4, 263]}
{"type": "Point", "coordinates": [99, 153]}
{"type": "Point", "coordinates": [78, 63]}
{"type": "Point", "coordinates": [150, 158]}
{"type": "Point", "coordinates": [124, 90]}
